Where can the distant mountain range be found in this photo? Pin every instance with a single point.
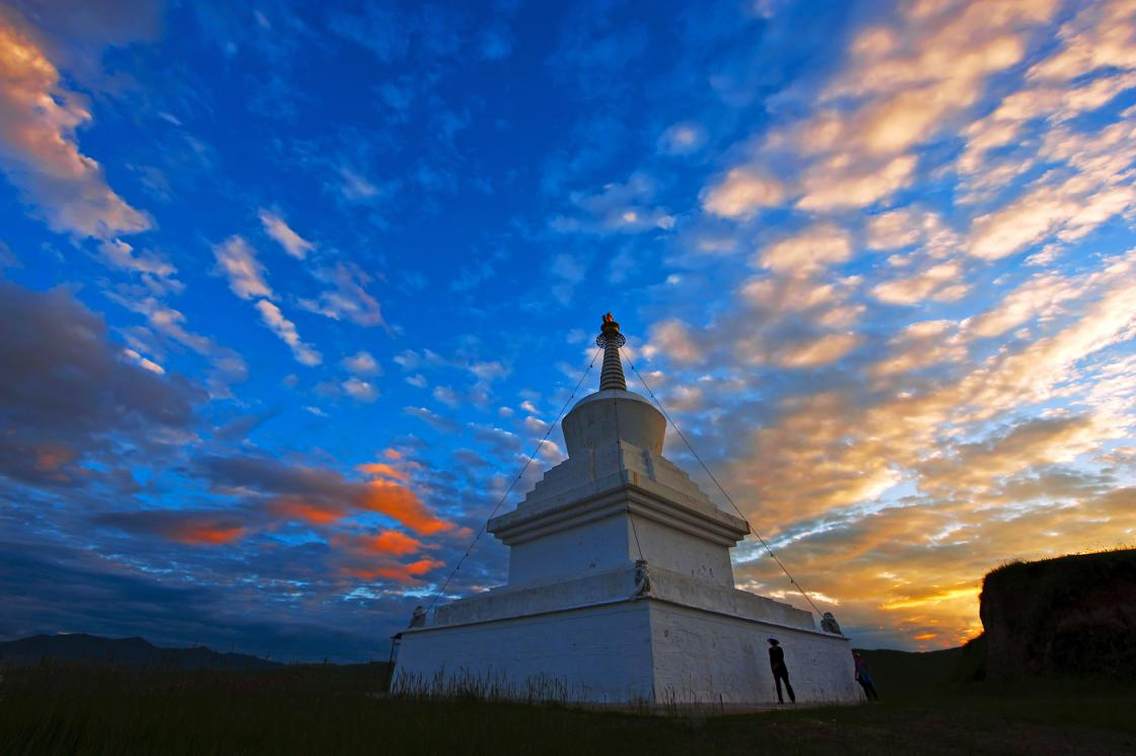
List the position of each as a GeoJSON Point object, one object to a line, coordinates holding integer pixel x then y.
{"type": "Point", "coordinates": [128, 652]}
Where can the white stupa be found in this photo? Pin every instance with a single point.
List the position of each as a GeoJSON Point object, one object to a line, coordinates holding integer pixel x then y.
{"type": "Point", "coordinates": [620, 585]}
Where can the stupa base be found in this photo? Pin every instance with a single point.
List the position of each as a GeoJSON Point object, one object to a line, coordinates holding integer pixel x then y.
{"type": "Point", "coordinates": [652, 649]}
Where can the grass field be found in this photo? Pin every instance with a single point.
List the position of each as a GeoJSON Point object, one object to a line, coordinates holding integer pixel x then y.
{"type": "Point", "coordinates": [330, 709]}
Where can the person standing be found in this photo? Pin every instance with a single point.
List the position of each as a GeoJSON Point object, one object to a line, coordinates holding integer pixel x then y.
{"type": "Point", "coordinates": [780, 671]}
{"type": "Point", "coordinates": [864, 677]}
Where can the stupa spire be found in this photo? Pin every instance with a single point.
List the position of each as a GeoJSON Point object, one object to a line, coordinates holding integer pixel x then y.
{"type": "Point", "coordinates": [611, 374]}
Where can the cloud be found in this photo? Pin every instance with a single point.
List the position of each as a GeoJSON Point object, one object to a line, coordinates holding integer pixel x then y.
{"type": "Point", "coordinates": [444, 424]}
{"type": "Point", "coordinates": [143, 362]}
{"type": "Point", "coordinates": [892, 230]}
{"type": "Point", "coordinates": [618, 207]}
{"type": "Point", "coordinates": [226, 365]}
{"type": "Point", "coordinates": [1041, 296]}
{"type": "Point", "coordinates": [392, 542]}
{"type": "Point", "coordinates": [408, 574]}
{"type": "Point", "coordinates": [150, 265]}
{"type": "Point", "coordinates": [446, 396]}
{"type": "Point", "coordinates": [822, 350]}
{"type": "Point", "coordinates": [833, 185]}
{"type": "Point", "coordinates": [535, 426]}
{"type": "Point", "coordinates": [319, 495]}
{"type": "Point", "coordinates": [1101, 36]}
{"type": "Point", "coordinates": [816, 247]}
{"type": "Point", "coordinates": [682, 138]}
{"type": "Point", "coordinates": [69, 397]}
{"type": "Point", "coordinates": [362, 363]}
{"type": "Point", "coordinates": [1066, 204]}
{"type": "Point", "coordinates": [856, 146]}
{"type": "Point", "coordinates": [38, 147]}
{"type": "Point", "coordinates": [741, 193]}
{"type": "Point", "coordinates": [1043, 123]}
{"type": "Point", "coordinates": [348, 299]}
{"type": "Point", "coordinates": [921, 345]}
{"type": "Point", "coordinates": [894, 429]}
{"type": "Point", "coordinates": [784, 294]}
{"type": "Point", "coordinates": [941, 282]}
{"type": "Point", "coordinates": [356, 187]}
{"type": "Point", "coordinates": [401, 504]}
{"type": "Point", "coordinates": [294, 244]}
{"type": "Point", "coordinates": [489, 370]}
{"type": "Point", "coordinates": [246, 275]}
{"type": "Point", "coordinates": [501, 442]}
{"type": "Point", "coordinates": [286, 330]}
{"type": "Point", "coordinates": [237, 260]}
{"type": "Point", "coordinates": [196, 528]}
{"type": "Point", "coordinates": [1057, 104]}
{"type": "Point", "coordinates": [673, 338]}
{"type": "Point", "coordinates": [986, 465]}
{"type": "Point", "coordinates": [360, 390]}
{"type": "Point", "coordinates": [386, 469]}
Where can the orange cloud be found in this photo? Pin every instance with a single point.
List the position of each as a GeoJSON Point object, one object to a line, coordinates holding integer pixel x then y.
{"type": "Point", "coordinates": [407, 574]}
{"type": "Point", "coordinates": [38, 150]}
{"type": "Point", "coordinates": [193, 527]}
{"type": "Point", "coordinates": [392, 542]}
{"type": "Point", "coordinates": [402, 504]}
{"type": "Point", "coordinates": [206, 534]}
{"type": "Point", "coordinates": [322, 496]}
{"type": "Point", "coordinates": [49, 459]}
{"type": "Point", "coordinates": [314, 513]}
{"type": "Point", "coordinates": [384, 470]}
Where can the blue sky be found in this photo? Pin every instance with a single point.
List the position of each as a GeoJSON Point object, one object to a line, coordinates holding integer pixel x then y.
{"type": "Point", "coordinates": [292, 289]}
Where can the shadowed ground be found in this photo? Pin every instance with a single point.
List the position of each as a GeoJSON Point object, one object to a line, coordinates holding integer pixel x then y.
{"type": "Point", "coordinates": [328, 709]}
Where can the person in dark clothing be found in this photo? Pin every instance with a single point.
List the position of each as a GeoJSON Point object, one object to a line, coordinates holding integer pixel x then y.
{"type": "Point", "coordinates": [864, 677]}
{"type": "Point", "coordinates": [780, 671]}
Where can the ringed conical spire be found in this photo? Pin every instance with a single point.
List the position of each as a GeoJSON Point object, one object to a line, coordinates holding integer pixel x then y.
{"type": "Point", "coordinates": [610, 339]}
{"type": "Point", "coordinates": [613, 415]}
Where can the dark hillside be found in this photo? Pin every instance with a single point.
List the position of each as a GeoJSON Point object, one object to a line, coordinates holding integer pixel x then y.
{"type": "Point", "coordinates": [905, 672]}
{"type": "Point", "coordinates": [1074, 615]}
{"type": "Point", "coordinates": [122, 652]}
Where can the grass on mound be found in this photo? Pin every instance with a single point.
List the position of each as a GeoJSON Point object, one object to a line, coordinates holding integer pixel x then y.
{"type": "Point", "coordinates": [329, 709]}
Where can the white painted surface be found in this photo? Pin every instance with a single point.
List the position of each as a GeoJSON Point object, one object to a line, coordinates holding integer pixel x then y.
{"type": "Point", "coordinates": [681, 552]}
{"type": "Point", "coordinates": [600, 654]}
{"type": "Point", "coordinates": [604, 417]}
{"type": "Point", "coordinates": [591, 548]}
{"type": "Point", "coordinates": [635, 650]}
{"type": "Point", "coordinates": [518, 601]}
{"type": "Point", "coordinates": [704, 657]}
{"type": "Point", "coordinates": [681, 589]}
